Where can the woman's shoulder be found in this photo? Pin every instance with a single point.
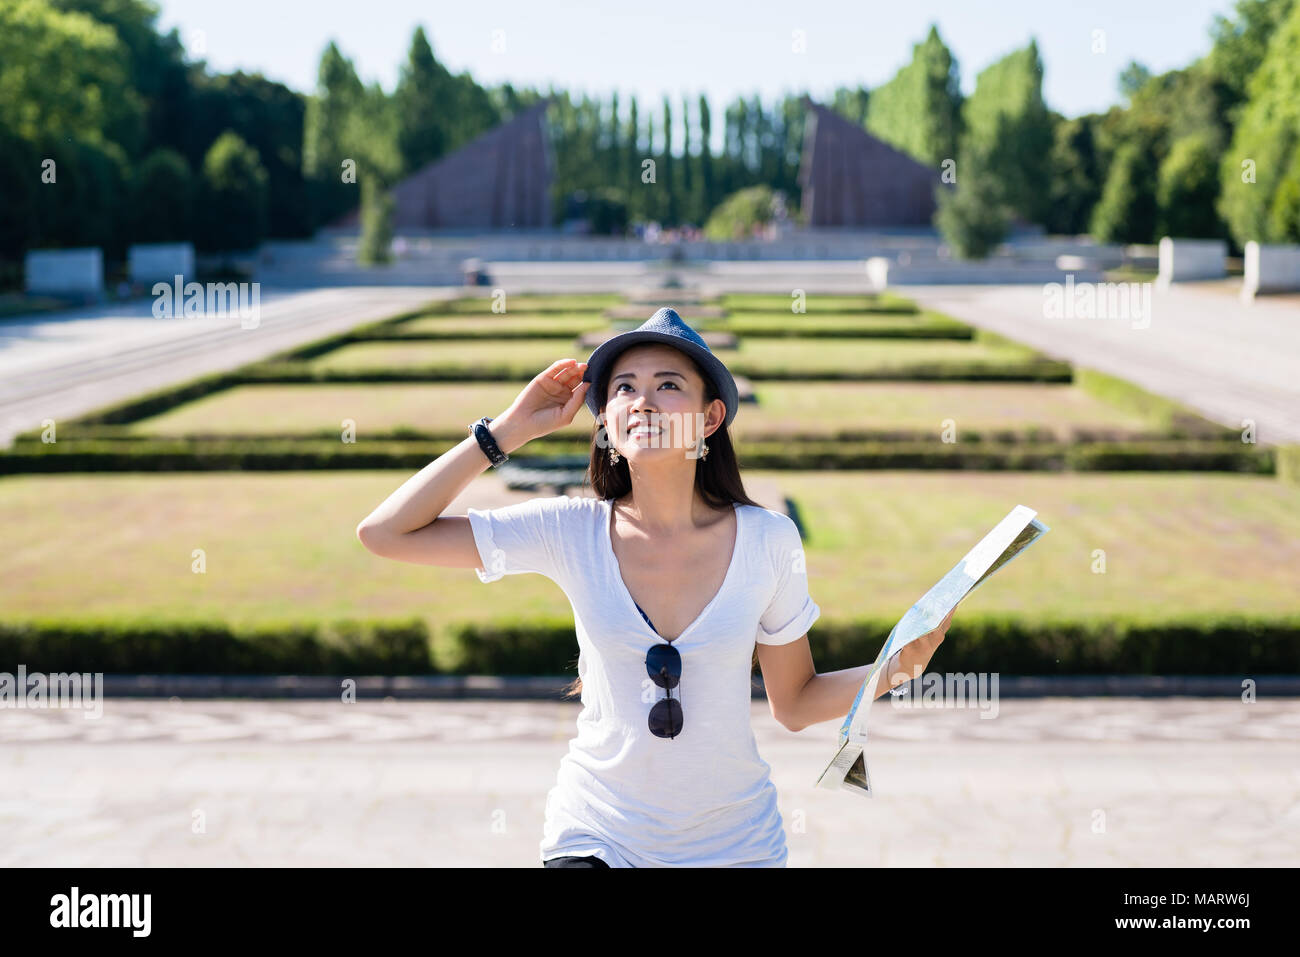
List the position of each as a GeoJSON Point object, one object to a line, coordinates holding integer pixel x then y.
{"type": "Point", "coordinates": [776, 536]}
{"type": "Point", "coordinates": [770, 522]}
{"type": "Point", "coordinates": [566, 506]}
{"type": "Point", "coordinates": [550, 509]}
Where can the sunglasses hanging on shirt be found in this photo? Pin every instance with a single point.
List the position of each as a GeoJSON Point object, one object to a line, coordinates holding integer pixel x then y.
{"type": "Point", "coordinates": [664, 665]}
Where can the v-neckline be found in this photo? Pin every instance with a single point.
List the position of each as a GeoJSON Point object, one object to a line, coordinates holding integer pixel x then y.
{"type": "Point", "coordinates": [630, 602]}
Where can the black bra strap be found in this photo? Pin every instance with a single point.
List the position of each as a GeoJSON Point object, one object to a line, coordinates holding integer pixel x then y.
{"type": "Point", "coordinates": [646, 617]}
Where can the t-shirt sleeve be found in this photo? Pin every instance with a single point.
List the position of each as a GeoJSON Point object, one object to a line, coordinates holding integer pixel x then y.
{"type": "Point", "coordinates": [791, 611]}
{"type": "Point", "coordinates": [524, 537]}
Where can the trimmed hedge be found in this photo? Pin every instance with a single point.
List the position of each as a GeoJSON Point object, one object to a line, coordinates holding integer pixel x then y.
{"type": "Point", "coordinates": [877, 303]}
{"type": "Point", "coordinates": [1169, 415]}
{"type": "Point", "coordinates": [755, 330]}
{"type": "Point", "coordinates": [227, 454]}
{"type": "Point", "coordinates": [156, 402]}
{"type": "Point", "coordinates": [814, 330]}
{"type": "Point", "coordinates": [531, 302]}
{"type": "Point", "coordinates": [181, 455]}
{"type": "Point", "coordinates": [305, 648]}
{"type": "Point", "coordinates": [405, 433]}
{"type": "Point", "coordinates": [1150, 456]}
{"type": "Point", "coordinates": [1022, 370]}
{"type": "Point", "coordinates": [1288, 463]}
{"type": "Point", "coordinates": [1207, 645]}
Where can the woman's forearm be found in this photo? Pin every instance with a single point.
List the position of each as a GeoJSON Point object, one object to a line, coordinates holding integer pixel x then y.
{"type": "Point", "coordinates": [425, 496]}
{"type": "Point", "coordinates": [829, 696]}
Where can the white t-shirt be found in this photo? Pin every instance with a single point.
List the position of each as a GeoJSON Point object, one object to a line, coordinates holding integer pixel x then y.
{"type": "Point", "coordinates": [704, 797]}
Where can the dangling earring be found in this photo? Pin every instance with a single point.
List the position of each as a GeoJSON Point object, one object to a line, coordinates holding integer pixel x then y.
{"type": "Point", "coordinates": [703, 448]}
{"type": "Point", "coordinates": [613, 455]}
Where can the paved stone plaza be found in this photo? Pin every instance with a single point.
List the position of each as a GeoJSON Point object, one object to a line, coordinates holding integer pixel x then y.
{"type": "Point", "coordinates": [65, 364]}
{"type": "Point", "coordinates": [1231, 361]}
{"type": "Point", "coordinates": [1056, 782]}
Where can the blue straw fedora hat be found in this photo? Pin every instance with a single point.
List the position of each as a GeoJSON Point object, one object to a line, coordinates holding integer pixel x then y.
{"type": "Point", "coordinates": [664, 326]}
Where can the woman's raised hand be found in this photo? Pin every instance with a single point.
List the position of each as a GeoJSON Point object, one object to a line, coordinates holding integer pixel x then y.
{"type": "Point", "coordinates": [550, 401]}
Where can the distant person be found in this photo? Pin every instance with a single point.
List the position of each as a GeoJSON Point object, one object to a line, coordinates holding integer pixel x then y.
{"type": "Point", "coordinates": [679, 583]}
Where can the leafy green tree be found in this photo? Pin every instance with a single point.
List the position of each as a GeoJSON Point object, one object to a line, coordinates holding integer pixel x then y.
{"type": "Point", "coordinates": [667, 179]}
{"type": "Point", "coordinates": [1240, 43]}
{"type": "Point", "coordinates": [972, 218]}
{"type": "Point", "coordinates": [62, 75]}
{"type": "Point", "coordinates": [1126, 212]}
{"type": "Point", "coordinates": [919, 110]}
{"type": "Point", "coordinates": [1284, 212]}
{"type": "Point", "coordinates": [20, 166]}
{"type": "Point", "coordinates": [1175, 105]}
{"type": "Point", "coordinates": [1009, 127]}
{"type": "Point", "coordinates": [338, 94]}
{"type": "Point", "coordinates": [738, 214]}
{"type": "Point", "coordinates": [421, 99]}
{"type": "Point", "coordinates": [84, 204]}
{"type": "Point", "coordinates": [470, 111]}
{"type": "Point", "coordinates": [1261, 155]}
{"type": "Point", "coordinates": [690, 201]}
{"type": "Point", "coordinates": [708, 182]}
{"type": "Point", "coordinates": [269, 117]}
{"type": "Point", "coordinates": [632, 174]}
{"type": "Point", "coordinates": [374, 247]}
{"type": "Point", "coordinates": [162, 199]}
{"type": "Point", "coordinates": [1187, 191]}
{"type": "Point", "coordinates": [157, 76]}
{"type": "Point", "coordinates": [371, 133]}
{"type": "Point", "coordinates": [1075, 175]}
{"type": "Point", "coordinates": [607, 212]}
{"type": "Point", "coordinates": [853, 104]}
{"type": "Point", "coordinates": [1134, 77]}
{"type": "Point", "coordinates": [232, 211]}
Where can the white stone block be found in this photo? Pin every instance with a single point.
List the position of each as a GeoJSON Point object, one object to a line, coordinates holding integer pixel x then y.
{"type": "Point", "coordinates": [1270, 268]}
{"type": "Point", "coordinates": [64, 271]}
{"type": "Point", "coordinates": [1190, 259]}
{"type": "Point", "coordinates": [154, 262]}
{"type": "Point", "coordinates": [878, 272]}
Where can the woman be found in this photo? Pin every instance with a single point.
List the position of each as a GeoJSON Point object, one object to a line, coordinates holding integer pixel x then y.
{"type": "Point", "coordinates": [679, 583]}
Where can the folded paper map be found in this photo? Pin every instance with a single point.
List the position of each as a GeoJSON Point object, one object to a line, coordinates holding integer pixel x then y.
{"type": "Point", "coordinates": [1010, 537]}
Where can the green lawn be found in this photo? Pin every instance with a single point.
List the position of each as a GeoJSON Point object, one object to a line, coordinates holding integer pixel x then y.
{"type": "Point", "coordinates": [538, 353]}
{"type": "Point", "coordinates": [810, 356]}
{"type": "Point", "coordinates": [1175, 544]}
{"type": "Point", "coordinates": [764, 323]}
{"type": "Point", "coordinates": [539, 324]}
{"type": "Point", "coordinates": [282, 545]}
{"type": "Point", "coordinates": [812, 407]}
{"type": "Point", "coordinates": [375, 407]}
{"type": "Point", "coordinates": [760, 302]}
{"type": "Point", "coordinates": [784, 408]}
{"type": "Point", "coordinates": [524, 304]}
{"type": "Point", "coordinates": [841, 323]}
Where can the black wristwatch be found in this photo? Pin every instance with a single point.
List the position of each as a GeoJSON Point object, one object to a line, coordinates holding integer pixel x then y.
{"type": "Point", "coordinates": [486, 442]}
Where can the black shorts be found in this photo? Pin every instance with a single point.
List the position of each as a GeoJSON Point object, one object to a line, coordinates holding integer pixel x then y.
{"type": "Point", "coordinates": [573, 860]}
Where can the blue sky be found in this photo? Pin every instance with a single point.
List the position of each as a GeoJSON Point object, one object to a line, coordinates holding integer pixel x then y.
{"type": "Point", "coordinates": [691, 47]}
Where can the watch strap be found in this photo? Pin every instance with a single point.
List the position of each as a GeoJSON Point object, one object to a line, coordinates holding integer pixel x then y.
{"type": "Point", "coordinates": [486, 442]}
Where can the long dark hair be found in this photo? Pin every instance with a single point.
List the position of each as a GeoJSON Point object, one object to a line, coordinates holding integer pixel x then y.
{"type": "Point", "coordinates": [717, 476]}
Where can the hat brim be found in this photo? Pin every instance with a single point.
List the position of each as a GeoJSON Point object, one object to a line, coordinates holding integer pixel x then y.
{"type": "Point", "coordinates": [601, 361]}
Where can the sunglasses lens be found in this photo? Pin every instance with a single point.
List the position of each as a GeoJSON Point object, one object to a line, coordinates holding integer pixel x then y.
{"type": "Point", "coordinates": [664, 665]}
{"type": "Point", "coordinates": [666, 718]}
